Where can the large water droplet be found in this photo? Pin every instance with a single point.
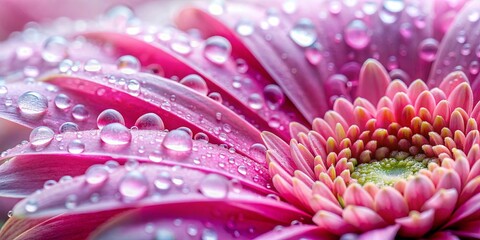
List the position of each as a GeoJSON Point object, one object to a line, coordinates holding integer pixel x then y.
{"type": "Point", "coordinates": [115, 134]}
{"type": "Point", "coordinates": [80, 113]}
{"type": "Point", "coordinates": [62, 101]}
{"type": "Point", "coordinates": [128, 64]}
{"type": "Point", "coordinates": [273, 96]}
{"type": "Point", "coordinates": [196, 83]}
{"type": "Point", "coordinates": [76, 146]}
{"type": "Point", "coordinates": [68, 127]}
{"type": "Point", "coordinates": [255, 101]}
{"type": "Point", "coordinates": [109, 116]}
{"type": "Point", "coordinates": [217, 49]}
{"type": "Point", "coordinates": [178, 141]}
{"type": "Point", "coordinates": [214, 186]}
{"type": "Point", "coordinates": [32, 104]}
{"type": "Point", "coordinates": [150, 121]}
{"type": "Point", "coordinates": [303, 32]}
{"type": "Point", "coordinates": [55, 49]}
{"type": "Point", "coordinates": [133, 186]}
{"type": "Point", "coordinates": [258, 152]}
{"type": "Point", "coordinates": [394, 6]}
{"type": "Point", "coordinates": [428, 49]}
{"type": "Point", "coordinates": [163, 182]}
{"type": "Point", "coordinates": [118, 16]}
{"type": "Point", "coordinates": [92, 66]}
{"type": "Point", "coordinates": [96, 174]}
{"type": "Point", "coordinates": [357, 35]}
{"type": "Point", "coordinates": [41, 136]}
{"type": "Point", "coordinates": [244, 27]}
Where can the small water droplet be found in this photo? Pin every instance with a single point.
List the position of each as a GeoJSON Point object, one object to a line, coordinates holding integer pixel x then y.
{"type": "Point", "coordinates": [255, 101]}
{"type": "Point", "coordinates": [65, 66]}
{"type": "Point", "coordinates": [41, 137]}
{"type": "Point", "coordinates": [357, 35]}
{"type": "Point", "coordinates": [216, 96]}
{"type": "Point", "coordinates": [55, 49]}
{"type": "Point", "coordinates": [119, 16]}
{"type": "Point", "coordinates": [163, 182]}
{"type": "Point", "coordinates": [289, 6]}
{"type": "Point", "coordinates": [76, 146]}
{"type": "Point", "coordinates": [62, 101]}
{"type": "Point", "coordinates": [32, 104]}
{"type": "Point", "coordinates": [10, 214]}
{"type": "Point", "coordinates": [92, 66]}
{"type": "Point", "coordinates": [133, 186]}
{"type": "Point", "coordinates": [209, 234]}
{"type": "Point", "coordinates": [244, 28]}
{"type": "Point", "coordinates": [128, 64]}
{"type": "Point", "coordinates": [303, 33]}
{"type": "Point", "coordinates": [274, 96]}
{"type": "Point", "coordinates": [68, 127]}
{"type": "Point", "coordinates": [3, 90]}
{"type": "Point", "coordinates": [30, 71]}
{"type": "Point", "coordinates": [370, 7]}
{"type": "Point", "coordinates": [196, 83]}
{"type": "Point", "coordinates": [80, 113]}
{"type": "Point", "coordinates": [474, 16]}
{"type": "Point", "coordinates": [242, 170]}
{"type": "Point", "coordinates": [150, 121]}
{"type": "Point", "coordinates": [335, 7]}
{"type": "Point", "coordinates": [49, 183]}
{"type": "Point", "coordinates": [214, 186]}
{"type": "Point", "coordinates": [217, 49]}
{"type": "Point", "coordinates": [178, 141]}
{"type": "Point", "coordinates": [133, 87]}
{"type": "Point", "coordinates": [71, 202]}
{"type": "Point", "coordinates": [96, 174]}
{"type": "Point", "coordinates": [428, 49]}
{"type": "Point", "coordinates": [394, 6]}
{"type": "Point", "coordinates": [201, 137]}
{"type": "Point", "coordinates": [242, 66]}
{"type": "Point", "coordinates": [115, 134]}
{"type": "Point", "coordinates": [181, 45]}
{"type": "Point", "coordinates": [164, 234]}
{"type": "Point", "coordinates": [31, 206]}
{"type": "Point", "coordinates": [216, 7]}
{"type": "Point", "coordinates": [109, 116]}
{"type": "Point", "coordinates": [258, 152]}
{"type": "Point", "coordinates": [314, 54]}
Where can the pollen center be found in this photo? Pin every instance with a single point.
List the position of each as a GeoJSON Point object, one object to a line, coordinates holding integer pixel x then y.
{"type": "Point", "coordinates": [388, 171]}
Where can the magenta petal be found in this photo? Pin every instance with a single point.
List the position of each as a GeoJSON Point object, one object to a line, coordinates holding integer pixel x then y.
{"type": "Point", "coordinates": [28, 168]}
{"type": "Point", "coordinates": [373, 81]}
{"type": "Point", "coordinates": [296, 232]}
{"type": "Point", "coordinates": [387, 233]}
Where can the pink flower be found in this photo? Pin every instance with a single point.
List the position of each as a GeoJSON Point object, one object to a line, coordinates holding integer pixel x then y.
{"type": "Point", "coordinates": [138, 131]}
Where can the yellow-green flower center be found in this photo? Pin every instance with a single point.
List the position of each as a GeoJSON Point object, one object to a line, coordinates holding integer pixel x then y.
{"type": "Point", "coordinates": [388, 171]}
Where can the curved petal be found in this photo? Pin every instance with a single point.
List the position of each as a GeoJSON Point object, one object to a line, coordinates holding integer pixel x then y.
{"type": "Point", "coordinates": [295, 232]}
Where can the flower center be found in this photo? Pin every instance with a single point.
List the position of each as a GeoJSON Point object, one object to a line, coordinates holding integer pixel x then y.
{"type": "Point", "coordinates": [388, 171]}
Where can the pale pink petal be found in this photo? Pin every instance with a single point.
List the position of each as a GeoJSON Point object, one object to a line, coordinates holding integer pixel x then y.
{"type": "Point", "coordinates": [296, 232]}
{"type": "Point", "coordinates": [387, 233]}
{"type": "Point", "coordinates": [417, 224]}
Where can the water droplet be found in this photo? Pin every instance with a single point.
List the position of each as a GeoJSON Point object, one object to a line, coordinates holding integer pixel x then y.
{"type": "Point", "coordinates": [133, 87]}
{"type": "Point", "coordinates": [62, 101]}
{"type": "Point", "coordinates": [96, 174]}
{"type": "Point", "coordinates": [181, 45]}
{"type": "Point", "coordinates": [178, 141]}
{"type": "Point", "coordinates": [163, 182]}
{"type": "Point", "coordinates": [32, 104]}
{"type": "Point", "coordinates": [115, 134]}
{"type": "Point", "coordinates": [150, 121]}
{"type": "Point", "coordinates": [80, 113]}
{"type": "Point", "coordinates": [133, 186]}
{"type": "Point", "coordinates": [55, 49]}
{"type": "Point", "coordinates": [30, 71]}
{"type": "Point", "coordinates": [242, 170]}
{"type": "Point", "coordinates": [357, 35]}
{"type": "Point", "coordinates": [93, 66]}
{"type": "Point", "coordinates": [76, 146]}
{"type": "Point", "coordinates": [474, 67]}
{"type": "Point", "coordinates": [216, 96]}
{"type": "Point", "coordinates": [217, 49]}
{"type": "Point", "coordinates": [68, 127]}
{"type": "Point", "coordinates": [258, 152]}
{"type": "Point", "coordinates": [41, 137]}
{"type": "Point", "coordinates": [3, 90]}
{"type": "Point", "coordinates": [196, 83]}
{"type": "Point", "coordinates": [370, 7]}
{"type": "Point", "coordinates": [209, 234]}
{"type": "Point", "coordinates": [118, 16]}
{"type": "Point", "coordinates": [335, 7]}
{"type": "Point", "coordinates": [394, 6]}
{"type": "Point", "coordinates": [274, 96]}
{"type": "Point", "coordinates": [303, 33]}
{"type": "Point", "coordinates": [216, 7]}
{"type": "Point", "coordinates": [164, 234]}
{"type": "Point", "coordinates": [65, 66]}
{"type": "Point", "coordinates": [474, 16]}
{"type": "Point", "coordinates": [71, 202]}
{"type": "Point", "coordinates": [313, 54]}
{"type": "Point", "coordinates": [128, 64]}
{"type": "Point", "coordinates": [244, 28]}
{"type": "Point", "coordinates": [289, 6]}
{"type": "Point", "coordinates": [31, 206]}
{"type": "Point", "coordinates": [201, 137]}
{"type": "Point", "coordinates": [242, 66]}
{"type": "Point", "coordinates": [109, 116]}
{"type": "Point", "coordinates": [428, 49]}
{"type": "Point", "coordinates": [214, 186]}
{"type": "Point", "coordinates": [255, 101]}
{"type": "Point", "coordinates": [49, 183]}
{"type": "Point", "coordinates": [10, 214]}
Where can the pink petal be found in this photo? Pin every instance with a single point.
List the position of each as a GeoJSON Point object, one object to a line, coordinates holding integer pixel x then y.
{"type": "Point", "coordinates": [363, 218]}
{"type": "Point", "coordinates": [333, 223]}
{"type": "Point", "coordinates": [296, 232]}
{"type": "Point", "coordinates": [373, 81]}
{"type": "Point", "coordinates": [417, 191]}
{"type": "Point", "coordinates": [461, 97]}
{"type": "Point", "coordinates": [387, 233]}
{"type": "Point", "coordinates": [356, 195]}
{"type": "Point", "coordinates": [390, 204]}
{"type": "Point", "coordinates": [417, 224]}
{"type": "Point", "coordinates": [443, 203]}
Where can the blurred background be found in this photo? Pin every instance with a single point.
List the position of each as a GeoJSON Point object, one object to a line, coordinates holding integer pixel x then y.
{"type": "Point", "coordinates": [14, 14]}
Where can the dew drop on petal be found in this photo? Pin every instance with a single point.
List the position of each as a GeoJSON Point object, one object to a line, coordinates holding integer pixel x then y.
{"type": "Point", "coordinates": [201, 137]}
{"type": "Point", "coordinates": [96, 174]}
{"type": "Point", "coordinates": [76, 146]}
{"type": "Point", "coordinates": [357, 35]}
{"type": "Point", "coordinates": [80, 112]}
{"type": "Point", "coordinates": [68, 127]}
{"type": "Point", "coordinates": [31, 205]}
{"type": "Point", "coordinates": [163, 182]}
{"type": "Point", "coordinates": [32, 104]}
{"type": "Point", "coordinates": [216, 97]}
{"type": "Point", "coordinates": [133, 186]}
{"type": "Point", "coordinates": [394, 6]}
{"type": "Point", "coordinates": [150, 121]}
{"type": "Point", "coordinates": [109, 116]}
{"type": "Point", "coordinates": [255, 101]}
{"type": "Point", "coordinates": [257, 151]}
{"type": "Point", "coordinates": [55, 49]}
{"type": "Point", "coordinates": [209, 234]}
{"type": "Point", "coordinates": [244, 28]}
{"type": "Point", "coordinates": [41, 136]}
{"type": "Point", "coordinates": [303, 33]}
{"type": "Point", "coordinates": [370, 7]}
{"type": "Point", "coordinates": [3, 90]}
{"type": "Point", "coordinates": [65, 66]}
{"type": "Point", "coordinates": [92, 66]}
{"type": "Point", "coordinates": [242, 170]}
{"type": "Point", "coordinates": [71, 202]}
{"type": "Point", "coordinates": [274, 96]}
{"type": "Point", "coordinates": [214, 186]}
{"type": "Point", "coordinates": [196, 83]}
{"type": "Point", "coordinates": [62, 101]}
{"type": "Point", "coordinates": [217, 49]}
{"type": "Point", "coordinates": [178, 141]}
{"type": "Point", "coordinates": [49, 183]}
{"type": "Point", "coordinates": [128, 64]}
{"type": "Point", "coordinates": [119, 16]}
{"type": "Point", "coordinates": [164, 234]}
{"type": "Point", "coordinates": [428, 49]}
{"type": "Point", "coordinates": [313, 54]}
{"type": "Point", "coordinates": [133, 87]}
{"type": "Point", "coordinates": [115, 134]}
{"type": "Point", "coordinates": [181, 45]}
